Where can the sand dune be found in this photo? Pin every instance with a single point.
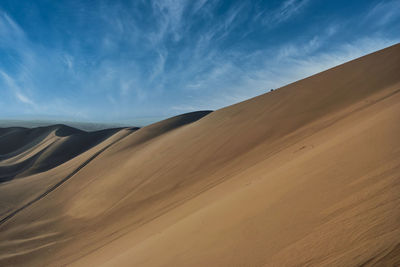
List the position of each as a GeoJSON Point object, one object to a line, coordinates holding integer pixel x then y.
{"type": "Point", "coordinates": [29, 151]}
{"type": "Point", "coordinates": [304, 175]}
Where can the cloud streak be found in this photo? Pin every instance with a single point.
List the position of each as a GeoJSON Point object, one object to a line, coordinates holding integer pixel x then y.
{"type": "Point", "coordinates": [16, 90]}
{"type": "Point", "coordinates": [384, 12]}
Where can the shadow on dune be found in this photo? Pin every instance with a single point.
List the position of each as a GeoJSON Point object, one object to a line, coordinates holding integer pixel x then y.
{"type": "Point", "coordinates": [65, 143]}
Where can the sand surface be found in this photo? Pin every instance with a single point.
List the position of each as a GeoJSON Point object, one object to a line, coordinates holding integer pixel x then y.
{"type": "Point", "coordinates": [307, 175]}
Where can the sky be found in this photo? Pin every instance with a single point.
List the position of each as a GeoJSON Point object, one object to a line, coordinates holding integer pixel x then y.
{"type": "Point", "coordinates": [141, 60]}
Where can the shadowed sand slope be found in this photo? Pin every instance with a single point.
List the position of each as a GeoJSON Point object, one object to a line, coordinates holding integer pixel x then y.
{"type": "Point", "coordinates": [26, 151]}
{"type": "Point", "coordinates": [305, 175]}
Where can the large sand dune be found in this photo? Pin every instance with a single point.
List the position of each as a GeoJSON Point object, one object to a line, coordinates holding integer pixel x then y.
{"type": "Point", "coordinates": [305, 175]}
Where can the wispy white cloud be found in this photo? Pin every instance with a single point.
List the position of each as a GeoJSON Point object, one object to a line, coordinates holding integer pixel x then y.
{"type": "Point", "coordinates": [16, 90]}
{"type": "Point", "coordinates": [308, 47]}
{"type": "Point", "coordinates": [384, 12]}
{"type": "Point", "coordinates": [198, 5]}
{"type": "Point", "coordinates": [9, 29]}
{"type": "Point", "coordinates": [287, 10]}
{"type": "Point", "coordinates": [170, 13]}
{"type": "Point", "coordinates": [159, 66]}
{"type": "Point", "coordinates": [69, 61]}
{"type": "Point", "coordinates": [23, 98]}
{"type": "Point", "coordinates": [13, 37]}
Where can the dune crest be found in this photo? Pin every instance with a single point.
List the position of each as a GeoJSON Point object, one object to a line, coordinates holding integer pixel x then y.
{"type": "Point", "coordinates": [304, 175]}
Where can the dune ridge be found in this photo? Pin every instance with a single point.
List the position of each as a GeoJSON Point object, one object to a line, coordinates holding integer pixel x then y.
{"type": "Point", "coordinates": [24, 151]}
{"type": "Point", "coordinates": [304, 175]}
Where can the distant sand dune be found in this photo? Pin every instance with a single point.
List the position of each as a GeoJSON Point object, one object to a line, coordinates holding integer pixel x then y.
{"type": "Point", "coordinates": [29, 151]}
{"type": "Point", "coordinates": [307, 175]}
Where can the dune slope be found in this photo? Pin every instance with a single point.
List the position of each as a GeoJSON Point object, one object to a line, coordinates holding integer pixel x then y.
{"type": "Point", "coordinates": [305, 175]}
{"type": "Point", "coordinates": [26, 151]}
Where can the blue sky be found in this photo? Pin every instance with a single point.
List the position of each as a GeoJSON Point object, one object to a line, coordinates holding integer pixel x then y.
{"type": "Point", "coordinates": [131, 61]}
